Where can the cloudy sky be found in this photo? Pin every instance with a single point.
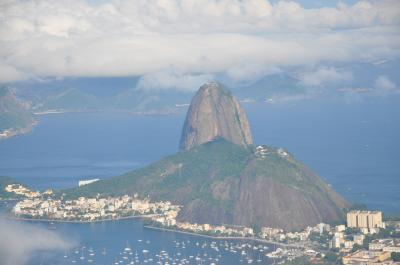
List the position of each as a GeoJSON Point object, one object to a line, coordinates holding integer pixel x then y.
{"type": "Point", "coordinates": [182, 42]}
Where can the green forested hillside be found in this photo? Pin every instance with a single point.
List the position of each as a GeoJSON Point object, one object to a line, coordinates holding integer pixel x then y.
{"type": "Point", "coordinates": [219, 182]}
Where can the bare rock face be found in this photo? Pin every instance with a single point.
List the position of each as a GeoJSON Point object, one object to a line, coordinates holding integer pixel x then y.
{"type": "Point", "coordinates": [215, 113]}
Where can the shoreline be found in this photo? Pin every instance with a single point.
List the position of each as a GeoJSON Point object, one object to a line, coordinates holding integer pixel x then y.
{"type": "Point", "coordinates": [17, 132]}
{"type": "Point", "coordinates": [222, 237]}
{"type": "Point", "coordinates": [8, 200]}
{"type": "Point", "coordinates": [259, 240]}
{"type": "Point", "coordinates": [77, 221]}
{"type": "Point", "coordinates": [134, 113]}
{"type": "Point", "coordinates": [10, 133]}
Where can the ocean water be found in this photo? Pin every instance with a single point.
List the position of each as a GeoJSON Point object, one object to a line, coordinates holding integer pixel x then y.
{"type": "Point", "coordinates": [105, 243]}
{"type": "Point", "coordinates": [353, 145]}
{"type": "Point", "coordinates": [65, 148]}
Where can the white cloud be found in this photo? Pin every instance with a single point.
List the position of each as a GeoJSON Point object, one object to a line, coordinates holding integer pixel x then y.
{"type": "Point", "coordinates": [21, 240]}
{"type": "Point", "coordinates": [170, 79]}
{"type": "Point", "coordinates": [10, 74]}
{"type": "Point", "coordinates": [250, 72]}
{"type": "Point", "coordinates": [62, 25]}
{"type": "Point", "coordinates": [324, 76]}
{"type": "Point", "coordinates": [242, 39]}
{"type": "Point", "coordinates": [383, 83]}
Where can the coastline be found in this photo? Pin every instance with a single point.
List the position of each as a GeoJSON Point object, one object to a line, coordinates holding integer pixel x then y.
{"type": "Point", "coordinates": [135, 113]}
{"type": "Point", "coordinates": [8, 200]}
{"type": "Point", "coordinates": [223, 237]}
{"type": "Point", "coordinates": [16, 132]}
{"type": "Point", "coordinates": [10, 133]}
{"type": "Point", "coordinates": [259, 240]}
{"type": "Point", "coordinates": [77, 221]}
{"type": "Point", "coordinates": [51, 112]}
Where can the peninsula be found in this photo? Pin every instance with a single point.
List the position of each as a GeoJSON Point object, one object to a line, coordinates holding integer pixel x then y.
{"type": "Point", "coordinates": [220, 176]}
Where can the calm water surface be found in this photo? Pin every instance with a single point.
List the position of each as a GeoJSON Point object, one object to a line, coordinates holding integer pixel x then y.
{"type": "Point", "coordinates": [353, 146]}
{"type": "Point", "coordinates": [106, 243]}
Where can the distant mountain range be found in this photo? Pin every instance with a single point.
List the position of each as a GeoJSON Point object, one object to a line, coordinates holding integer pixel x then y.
{"type": "Point", "coordinates": [99, 94]}
{"type": "Point", "coordinates": [21, 100]}
{"type": "Point", "coordinates": [14, 114]}
{"type": "Point", "coordinates": [89, 95]}
{"type": "Point", "coordinates": [126, 93]}
{"type": "Point", "coordinates": [270, 87]}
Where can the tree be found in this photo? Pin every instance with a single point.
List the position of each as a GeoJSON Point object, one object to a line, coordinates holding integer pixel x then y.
{"type": "Point", "coordinates": [368, 239]}
{"type": "Point", "coordinates": [395, 256]}
{"type": "Point", "coordinates": [356, 247]}
{"type": "Point", "coordinates": [385, 233]}
{"type": "Point", "coordinates": [352, 231]}
{"type": "Point", "coordinates": [331, 257]}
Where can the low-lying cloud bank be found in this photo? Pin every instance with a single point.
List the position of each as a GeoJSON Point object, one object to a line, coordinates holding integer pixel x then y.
{"type": "Point", "coordinates": [195, 38]}
{"type": "Point", "coordinates": [19, 241]}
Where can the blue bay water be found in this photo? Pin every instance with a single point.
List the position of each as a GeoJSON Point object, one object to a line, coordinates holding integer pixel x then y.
{"type": "Point", "coordinates": [352, 145]}
{"type": "Point", "coordinates": [105, 242]}
{"type": "Point", "coordinates": [65, 148]}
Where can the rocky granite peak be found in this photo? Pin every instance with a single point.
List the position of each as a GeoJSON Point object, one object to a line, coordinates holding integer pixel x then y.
{"type": "Point", "coordinates": [215, 113]}
{"type": "Point", "coordinates": [219, 177]}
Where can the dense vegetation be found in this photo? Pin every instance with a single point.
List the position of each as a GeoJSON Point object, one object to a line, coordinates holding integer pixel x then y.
{"type": "Point", "coordinates": [395, 256]}
{"type": "Point", "coordinates": [183, 169]}
{"type": "Point", "coordinates": [220, 182]}
{"type": "Point", "coordinates": [220, 158]}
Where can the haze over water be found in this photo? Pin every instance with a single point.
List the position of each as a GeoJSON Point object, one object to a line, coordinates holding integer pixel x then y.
{"type": "Point", "coordinates": [353, 146]}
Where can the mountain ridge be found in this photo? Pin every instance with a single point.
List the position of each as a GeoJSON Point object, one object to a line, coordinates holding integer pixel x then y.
{"type": "Point", "coordinates": [14, 114]}
{"type": "Point", "coordinates": [220, 182]}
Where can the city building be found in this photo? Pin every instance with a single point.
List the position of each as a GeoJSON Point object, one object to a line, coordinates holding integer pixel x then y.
{"type": "Point", "coordinates": [358, 239]}
{"type": "Point", "coordinates": [365, 219]}
{"type": "Point", "coordinates": [365, 257]}
{"type": "Point", "coordinates": [337, 240]}
{"type": "Point", "coordinates": [380, 244]}
{"type": "Point", "coordinates": [270, 232]}
{"type": "Point", "coordinates": [395, 247]}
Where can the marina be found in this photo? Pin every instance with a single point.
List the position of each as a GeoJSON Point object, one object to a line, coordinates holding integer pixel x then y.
{"type": "Point", "coordinates": [128, 242]}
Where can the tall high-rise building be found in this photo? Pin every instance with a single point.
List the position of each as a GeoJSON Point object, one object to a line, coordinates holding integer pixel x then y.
{"type": "Point", "coordinates": [364, 219]}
